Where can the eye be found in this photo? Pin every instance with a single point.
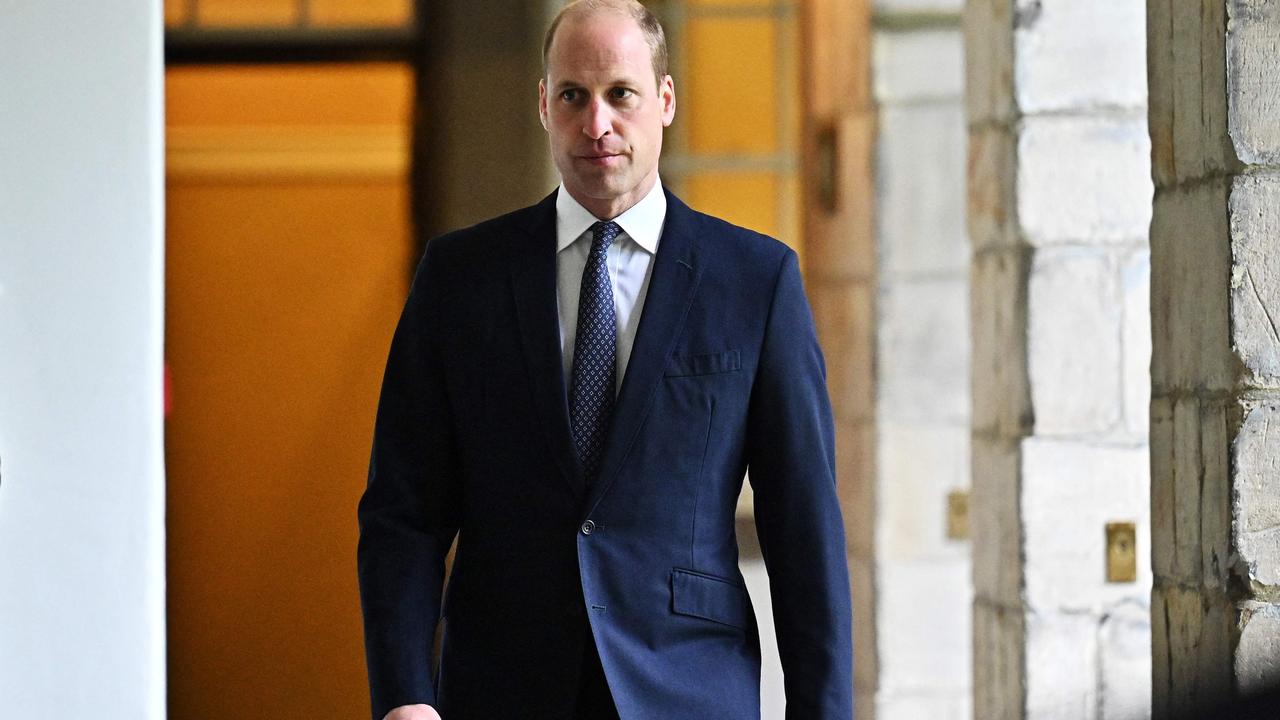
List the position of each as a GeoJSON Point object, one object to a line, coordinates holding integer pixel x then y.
{"type": "Point", "coordinates": [569, 95]}
{"type": "Point", "coordinates": [621, 93]}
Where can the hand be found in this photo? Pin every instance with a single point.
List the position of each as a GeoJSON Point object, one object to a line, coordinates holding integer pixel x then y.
{"type": "Point", "coordinates": [412, 712]}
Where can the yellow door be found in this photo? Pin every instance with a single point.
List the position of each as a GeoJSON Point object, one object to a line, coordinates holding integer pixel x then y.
{"type": "Point", "coordinates": [288, 260]}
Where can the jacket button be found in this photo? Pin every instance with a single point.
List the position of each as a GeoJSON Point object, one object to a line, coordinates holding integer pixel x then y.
{"type": "Point", "coordinates": [588, 527]}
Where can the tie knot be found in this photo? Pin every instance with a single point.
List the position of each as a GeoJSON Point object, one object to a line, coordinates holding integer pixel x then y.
{"type": "Point", "coordinates": [603, 233]}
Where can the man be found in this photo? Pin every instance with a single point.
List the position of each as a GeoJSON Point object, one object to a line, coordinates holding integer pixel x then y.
{"type": "Point", "coordinates": [575, 390]}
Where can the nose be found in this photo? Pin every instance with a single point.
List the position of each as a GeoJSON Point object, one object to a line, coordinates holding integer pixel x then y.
{"type": "Point", "coordinates": [599, 119]}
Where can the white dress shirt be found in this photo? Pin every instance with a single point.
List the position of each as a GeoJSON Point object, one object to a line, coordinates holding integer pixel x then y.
{"type": "Point", "coordinates": [630, 263]}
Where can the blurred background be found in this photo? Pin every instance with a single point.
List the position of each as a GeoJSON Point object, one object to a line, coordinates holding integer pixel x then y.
{"type": "Point", "coordinates": [311, 149]}
{"type": "Point", "coordinates": [1038, 239]}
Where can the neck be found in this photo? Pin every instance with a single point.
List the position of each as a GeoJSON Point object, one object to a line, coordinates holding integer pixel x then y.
{"type": "Point", "coordinates": [610, 208]}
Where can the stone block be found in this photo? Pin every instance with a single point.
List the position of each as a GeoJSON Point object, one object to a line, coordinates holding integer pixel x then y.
{"type": "Point", "coordinates": [1187, 464]}
{"type": "Point", "coordinates": [1190, 494]}
{"type": "Point", "coordinates": [922, 353]}
{"type": "Point", "coordinates": [1190, 274]}
{"type": "Point", "coordinates": [1163, 497]}
{"type": "Point", "coordinates": [887, 7]}
{"type": "Point", "coordinates": [1160, 86]}
{"type": "Point", "coordinates": [1073, 334]}
{"type": "Point", "coordinates": [1135, 291]}
{"type": "Point", "coordinates": [843, 312]}
{"type": "Point", "coordinates": [1191, 652]}
{"type": "Point", "coordinates": [921, 215]}
{"type": "Point", "coordinates": [1065, 560]}
{"type": "Point", "coordinates": [1062, 666]}
{"type": "Point", "coordinates": [1252, 37]}
{"type": "Point", "coordinates": [926, 64]}
{"type": "Point", "coordinates": [919, 463]}
{"type": "Point", "coordinates": [1188, 96]}
{"type": "Point", "coordinates": [1001, 403]}
{"type": "Point", "coordinates": [1255, 273]}
{"type": "Point", "coordinates": [924, 620]}
{"type": "Point", "coordinates": [995, 523]}
{"type": "Point", "coordinates": [1084, 179]}
{"type": "Point", "coordinates": [1161, 660]}
{"type": "Point", "coordinates": [929, 704]}
{"type": "Point", "coordinates": [1257, 663]}
{"type": "Point", "coordinates": [1079, 55]}
{"type": "Point", "coordinates": [1186, 58]}
{"type": "Point", "coordinates": [1217, 416]}
{"type": "Point", "coordinates": [855, 484]}
{"type": "Point", "coordinates": [1256, 500]}
{"type": "Point", "coordinates": [992, 177]}
{"type": "Point", "coordinates": [988, 46]}
{"type": "Point", "coordinates": [864, 703]}
{"type": "Point", "coordinates": [1124, 651]}
{"type": "Point", "coordinates": [1201, 630]}
{"type": "Point", "coordinates": [1195, 47]}
{"type": "Point", "coordinates": [999, 682]}
{"type": "Point", "coordinates": [866, 666]}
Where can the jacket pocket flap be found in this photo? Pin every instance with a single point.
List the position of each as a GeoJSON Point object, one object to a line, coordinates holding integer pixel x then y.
{"type": "Point", "coordinates": [704, 364]}
{"type": "Point", "coordinates": [710, 598]}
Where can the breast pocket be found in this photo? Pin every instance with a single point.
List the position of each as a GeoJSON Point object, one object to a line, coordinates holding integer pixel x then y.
{"type": "Point", "coordinates": [703, 364]}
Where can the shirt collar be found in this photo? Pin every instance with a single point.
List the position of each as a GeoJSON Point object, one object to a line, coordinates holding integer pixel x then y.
{"type": "Point", "coordinates": [641, 222]}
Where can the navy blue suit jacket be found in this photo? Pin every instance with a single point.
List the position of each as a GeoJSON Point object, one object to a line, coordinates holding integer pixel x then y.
{"type": "Point", "coordinates": [473, 439]}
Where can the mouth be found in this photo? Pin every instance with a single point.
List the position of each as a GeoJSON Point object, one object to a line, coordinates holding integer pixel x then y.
{"type": "Point", "coordinates": [602, 159]}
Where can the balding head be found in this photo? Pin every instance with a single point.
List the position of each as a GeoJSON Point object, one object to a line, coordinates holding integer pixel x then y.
{"type": "Point", "coordinates": [648, 23]}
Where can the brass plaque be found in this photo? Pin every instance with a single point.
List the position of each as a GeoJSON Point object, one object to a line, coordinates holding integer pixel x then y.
{"type": "Point", "coordinates": [958, 515]}
{"type": "Point", "coordinates": [1122, 552]}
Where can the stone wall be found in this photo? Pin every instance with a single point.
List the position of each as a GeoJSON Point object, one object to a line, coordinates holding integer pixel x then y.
{"type": "Point", "coordinates": [1215, 250]}
{"type": "Point", "coordinates": [1059, 202]}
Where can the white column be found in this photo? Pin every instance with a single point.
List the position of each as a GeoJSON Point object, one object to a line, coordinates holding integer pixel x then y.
{"type": "Point", "coordinates": [923, 590]}
{"type": "Point", "coordinates": [82, 630]}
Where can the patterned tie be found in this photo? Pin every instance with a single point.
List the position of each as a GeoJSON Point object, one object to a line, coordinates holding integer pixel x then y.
{"type": "Point", "coordinates": [592, 389]}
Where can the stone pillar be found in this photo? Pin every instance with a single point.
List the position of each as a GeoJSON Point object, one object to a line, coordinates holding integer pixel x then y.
{"type": "Point", "coordinates": [1215, 252]}
{"type": "Point", "coordinates": [922, 575]}
{"type": "Point", "coordinates": [839, 258]}
{"type": "Point", "coordinates": [1059, 204]}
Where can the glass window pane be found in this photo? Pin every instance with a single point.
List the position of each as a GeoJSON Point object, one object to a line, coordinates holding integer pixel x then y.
{"type": "Point", "coordinates": [248, 13]}
{"type": "Point", "coordinates": [175, 12]}
{"type": "Point", "coordinates": [367, 13]}
{"type": "Point", "coordinates": [732, 85]}
{"type": "Point", "coordinates": [274, 95]}
{"type": "Point", "coordinates": [749, 199]}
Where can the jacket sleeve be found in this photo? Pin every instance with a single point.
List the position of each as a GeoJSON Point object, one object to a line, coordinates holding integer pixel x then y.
{"type": "Point", "coordinates": [408, 512]}
{"type": "Point", "coordinates": [791, 456]}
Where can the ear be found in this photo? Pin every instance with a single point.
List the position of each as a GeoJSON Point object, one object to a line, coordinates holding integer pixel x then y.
{"type": "Point", "coordinates": [542, 102]}
{"type": "Point", "coordinates": [667, 100]}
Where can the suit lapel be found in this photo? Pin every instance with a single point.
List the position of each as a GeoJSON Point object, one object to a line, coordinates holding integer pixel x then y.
{"type": "Point", "coordinates": [676, 272]}
{"type": "Point", "coordinates": [533, 275]}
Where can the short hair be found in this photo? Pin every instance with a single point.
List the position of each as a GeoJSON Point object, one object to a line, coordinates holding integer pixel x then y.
{"type": "Point", "coordinates": [648, 22]}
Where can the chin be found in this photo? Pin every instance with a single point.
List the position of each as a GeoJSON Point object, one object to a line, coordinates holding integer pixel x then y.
{"type": "Point", "coordinates": [601, 191]}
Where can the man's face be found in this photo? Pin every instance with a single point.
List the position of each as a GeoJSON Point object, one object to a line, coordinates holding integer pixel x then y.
{"type": "Point", "coordinates": [604, 111]}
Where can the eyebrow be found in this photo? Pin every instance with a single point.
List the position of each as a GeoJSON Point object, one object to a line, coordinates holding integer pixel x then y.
{"type": "Point", "coordinates": [567, 84]}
